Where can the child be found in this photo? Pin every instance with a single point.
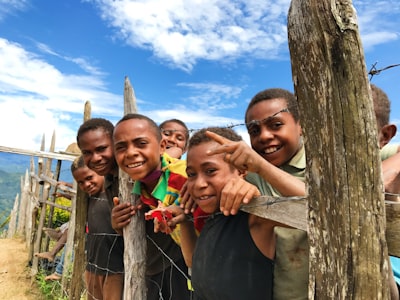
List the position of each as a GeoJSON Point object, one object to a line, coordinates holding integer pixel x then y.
{"type": "Point", "coordinates": [139, 148]}
{"type": "Point", "coordinates": [176, 133]}
{"type": "Point", "coordinates": [104, 273]}
{"type": "Point", "coordinates": [241, 245]}
{"type": "Point", "coordinates": [390, 166]}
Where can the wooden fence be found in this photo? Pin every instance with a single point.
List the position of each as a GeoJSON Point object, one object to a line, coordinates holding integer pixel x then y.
{"type": "Point", "coordinates": [37, 189]}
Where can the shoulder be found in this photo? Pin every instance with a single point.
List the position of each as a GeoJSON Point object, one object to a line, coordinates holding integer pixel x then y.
{"type": "Point", "coordinates": [389, 150]}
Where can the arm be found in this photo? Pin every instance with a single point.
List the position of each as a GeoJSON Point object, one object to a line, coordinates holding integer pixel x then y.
{"type": "Point", "coordinates": [242, 157]}
{"type": "Point", "coordinates": [391, 176]}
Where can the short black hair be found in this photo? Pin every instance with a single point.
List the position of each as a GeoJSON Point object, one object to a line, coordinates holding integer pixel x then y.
{"type": "Point", "coordinates": [180, 123]}
{"type": "Point", "coordinates": [200, 137]}
{"type": "Point", "coordinates": [93, 124]}
{"type": "Point", "coordinates": [275, 93]}
{"type": "Point", "coordinates": [77, 164]}
{"type": "Point", "coordinates": [381, 106]}
{"type": "Point", "coordinates": [152, 124]}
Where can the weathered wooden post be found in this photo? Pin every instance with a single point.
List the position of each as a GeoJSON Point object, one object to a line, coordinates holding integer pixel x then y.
{"type": "Point", "coordinates": [134, 233]}
{"type": "Point", "coordinates": [76, 237]}
{"type": "Point", "coordinates": [348, 252]}
{"type": "Point", "coordinates": [13, 218]}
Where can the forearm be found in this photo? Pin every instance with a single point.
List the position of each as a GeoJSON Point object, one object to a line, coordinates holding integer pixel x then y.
{"type": "Point", "coordinates": [283, 182]}
{"type": "Point", "coordinates": [188, 241]}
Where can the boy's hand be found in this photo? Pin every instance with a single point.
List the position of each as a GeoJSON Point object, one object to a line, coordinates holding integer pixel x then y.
{"type": "Point", "coordinates": [121, 214]}
{"type": "Point", "coordinates": [166, 218]}
{"type": "Point", "coordinates": [186, 202]}
{"type": "Point", "coordinates": [238, 154]}
{"type": "Point", "coordinates": [236, 192]}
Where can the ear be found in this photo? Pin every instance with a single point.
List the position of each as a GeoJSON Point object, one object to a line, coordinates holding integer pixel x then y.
{"type": "Point", "coordinates": [163, 146]}
{"type": "Point", "coordinates": [386, 133]}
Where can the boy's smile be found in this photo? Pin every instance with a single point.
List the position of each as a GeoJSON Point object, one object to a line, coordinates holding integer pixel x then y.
{"type": "Point", "coordinates": [97, 150]}
{"type": "Point", "coordinates": [274, 133]}
{"type": "Point", "coordinates": [88, 180]}
{"type": "Point", "coordinates": [207, 176]}
{"type": "Point", "coordinates": [137, 149]}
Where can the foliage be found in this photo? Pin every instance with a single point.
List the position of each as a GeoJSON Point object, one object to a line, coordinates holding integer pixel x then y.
{"type": "Point", "coordinates": [52, 289]}
{"type": "Point", "coordinates": [60, 216]}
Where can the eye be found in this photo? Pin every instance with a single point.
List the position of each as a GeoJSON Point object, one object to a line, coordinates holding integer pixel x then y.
{"type": "Point", "coordinates": [190, 174]}
{"type": "Point", "coordinates": [253, 129]}
{"type": "Point", "coordinates": [275, 125]}
{"type": "Point", "coordinates": [210, 171]}
{"type": "Point", "coordinates": [167, 132]}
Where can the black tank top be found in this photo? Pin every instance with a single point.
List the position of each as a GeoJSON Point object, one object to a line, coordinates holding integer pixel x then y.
{"type": "Point", "coordinates": [227, 264]}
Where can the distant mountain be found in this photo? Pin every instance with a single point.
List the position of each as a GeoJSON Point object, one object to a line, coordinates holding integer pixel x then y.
{"type": "Point", "coordinates": [12, 168]}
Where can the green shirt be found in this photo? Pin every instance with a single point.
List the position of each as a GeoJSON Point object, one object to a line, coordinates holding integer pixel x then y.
{"type": "Point", "coordinates": [296, 166]}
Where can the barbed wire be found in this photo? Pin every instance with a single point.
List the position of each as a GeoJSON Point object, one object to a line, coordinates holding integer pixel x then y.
{"type": "Point", "coordinates": [374, 71]}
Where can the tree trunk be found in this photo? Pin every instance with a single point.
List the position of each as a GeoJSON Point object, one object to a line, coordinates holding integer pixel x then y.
{"type": "Point", "coordinates": [348, 251]}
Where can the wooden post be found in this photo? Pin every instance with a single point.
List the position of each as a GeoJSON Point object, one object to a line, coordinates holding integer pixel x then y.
{"type": "Point", "coordinates": [77, 237]}
{"type": "Point", "coordinates": [348, 251]}
{"type": "Point", "coordinates": [22, 208]}
{"type": "Point", "coordinates": [13, 219]}
{"type": "Point", "coordinates": [134, 233]}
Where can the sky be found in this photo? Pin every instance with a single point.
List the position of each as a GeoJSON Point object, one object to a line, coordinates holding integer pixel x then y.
{"type": "Point", "coordinates": [198, 61]}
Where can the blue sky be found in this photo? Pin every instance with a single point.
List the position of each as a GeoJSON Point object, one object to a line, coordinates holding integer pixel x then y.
{"type": "Point", "coordinates": [199, 61]}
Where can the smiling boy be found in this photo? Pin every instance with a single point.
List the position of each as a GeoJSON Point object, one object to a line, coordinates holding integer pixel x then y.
{"type": "Point", "coordinates": [139, 148]}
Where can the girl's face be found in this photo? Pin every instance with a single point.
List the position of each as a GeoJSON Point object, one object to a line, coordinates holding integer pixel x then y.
{"type": "Point", "coordinates": [88, 180]}
{"type": "Point", "coordinates": [137, 149]}
{"type": "Point", "coordinates": [207, 175]}
{"type": "Point", "coordinates": [175, 135]}
{"type": "Point", "coordinates": [274, 133]}
{"type": "Point", "coordinates": [97, 150]}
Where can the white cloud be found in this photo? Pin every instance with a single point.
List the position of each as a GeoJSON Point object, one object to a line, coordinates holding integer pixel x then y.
{"type": "Point", "coordinates": [378, 21]}
{"type": "Point", "coordinates": [183, 32]}
{"type": "Point", "coordinates": [9, 7]}
{"type": "Point", "coordinates": [36, 98]}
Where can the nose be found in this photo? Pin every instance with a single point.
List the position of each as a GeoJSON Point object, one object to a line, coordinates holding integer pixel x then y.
{"type": "Point", "coordinates": [96, 157]}
{"type": "Point", "coordinates": [200, 182]}
{"type": "Point", "coordinates": [265, 134]}
{"type": "Point", "coordinates": [131, 151]}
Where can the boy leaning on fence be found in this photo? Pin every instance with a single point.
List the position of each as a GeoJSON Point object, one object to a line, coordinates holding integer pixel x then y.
{"type": "Point", "coordinates": [140, 152]}
{"type": "Point", "coordinates": [94, 139]}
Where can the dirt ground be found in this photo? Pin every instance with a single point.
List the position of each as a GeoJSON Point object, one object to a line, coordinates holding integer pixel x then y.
{"type": "Point", "coordinates": [15, 280]}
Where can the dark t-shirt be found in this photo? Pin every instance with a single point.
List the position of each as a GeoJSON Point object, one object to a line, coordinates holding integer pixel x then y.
{"type": "Point", "coordinates": [227, 264]}
{"type": "Point", "coordinates": [105, 248]}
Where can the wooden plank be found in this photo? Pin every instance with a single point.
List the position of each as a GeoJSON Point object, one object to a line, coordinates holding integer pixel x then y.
{"type": "Point", "coordinates": [42, 154]}
{"type": "Point", "coordinates": [294, 213]}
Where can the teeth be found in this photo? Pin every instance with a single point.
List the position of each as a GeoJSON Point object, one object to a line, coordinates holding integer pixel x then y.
{"type": "Point", "coordinates": [135, 165]}
{"type": "Point", "coordinates": [270, 150]}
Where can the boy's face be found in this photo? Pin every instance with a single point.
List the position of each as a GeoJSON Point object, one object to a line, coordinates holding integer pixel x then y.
{"type": "Point", "coordinates": [136, 148]}
{"type": "Point", "coordinates": [88, 180]}
{"type": "Point", "coordinates": [175, 135]}
{"type": "Point", "coordinates": [207, 175]}
{"type": "Point", "coordinates": [97, 150]}
{"type": "Point", "coordinates": [275, 135]}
